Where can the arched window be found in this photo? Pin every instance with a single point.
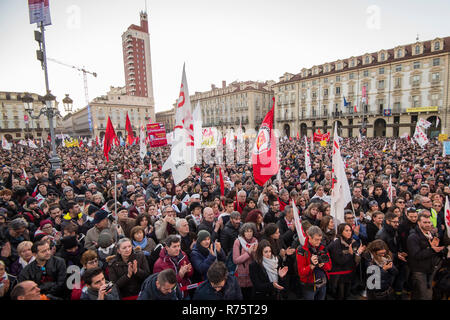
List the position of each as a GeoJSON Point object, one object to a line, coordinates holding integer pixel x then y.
{"type": "Point", "coordinates": [417, 49]}
{"type": "Point", "coordinates": [382, 56]}
{"type": "Point", "coordinates": [437, 45]}
{"type": "Point", "coordinates": [399, 53]}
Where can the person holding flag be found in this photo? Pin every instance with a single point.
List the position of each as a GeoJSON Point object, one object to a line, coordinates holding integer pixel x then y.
{"type": "Point", "coordinates": [130, 136]}
{"type": "Point", "coordinates": [110, 137]}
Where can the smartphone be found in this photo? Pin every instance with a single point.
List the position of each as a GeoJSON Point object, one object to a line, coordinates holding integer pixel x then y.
{"type": "Point", "coordinates": [109, 286]}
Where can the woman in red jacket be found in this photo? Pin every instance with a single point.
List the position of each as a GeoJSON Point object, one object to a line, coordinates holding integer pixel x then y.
{"type": "Point", "coordinates": [313, 264]}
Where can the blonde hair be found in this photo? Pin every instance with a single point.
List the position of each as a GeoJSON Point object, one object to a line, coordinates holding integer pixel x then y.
{"type": "Point", "coordinates": [23, 245]}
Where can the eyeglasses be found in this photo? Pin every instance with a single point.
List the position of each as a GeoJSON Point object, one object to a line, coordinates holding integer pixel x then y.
{"type": "Point", "coordinates": [401, 201]}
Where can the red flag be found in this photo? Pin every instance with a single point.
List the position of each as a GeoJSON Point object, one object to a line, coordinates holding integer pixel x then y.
{"type": "Point", "coordinates": [222, 184]}
{"type": "Point", "coordinates": [80, 143]}
{"type": "Point", "coordinates": [96, 140]}
{"type": "Point", "coordinates": [110, 136]}
{"type": "Point", "coordinates": [354, 109]}
{"type": "Point", "coordinates": [129, 128]}
{"type": "Point", "coordinates": [298, 136]}
{"type": "Point", "coordinates": [264, 154]}
{"type": "Point", "coordinates": [49, 138]}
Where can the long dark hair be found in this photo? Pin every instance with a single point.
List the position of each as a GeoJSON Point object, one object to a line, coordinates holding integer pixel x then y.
{"type": "Point", "coordinates": [259, 251]}
{"type": "Point", "coordinates": [269, 230]}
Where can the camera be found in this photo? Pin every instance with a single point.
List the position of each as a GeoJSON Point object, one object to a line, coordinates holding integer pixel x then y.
{"type": "Point", "coordinates": [322, 256]}
{"type": "Point", "coordinates": [109, 286]}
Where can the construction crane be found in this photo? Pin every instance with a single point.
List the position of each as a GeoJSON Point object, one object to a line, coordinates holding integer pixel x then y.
{"type": "Point", "coordinates": [86, 94]}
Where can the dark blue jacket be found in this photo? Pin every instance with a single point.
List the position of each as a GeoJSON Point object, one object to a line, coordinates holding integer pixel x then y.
{"type": "Point", "coordinates": [149, 291]}
{"type": "Point", "coordinates": [231, 291]}
{"type": "Point", "coordinates": [201, 262]}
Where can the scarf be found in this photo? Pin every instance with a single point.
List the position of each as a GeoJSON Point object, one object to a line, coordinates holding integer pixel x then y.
{"type": "Point", "coordinates": [197, 220]}
{"type": "Point", "coordinates": [107, 251]}
{"type": "Point", "coordinates": [271, 266]}
{"type": "Point", "coordinates": [23, 263]}
{"type": "Point", "coordinates": [289, 224]}
{"type": "Point", "coordinates": [141, 244]}
{"type": "Point", "coordinates": [245, 244]}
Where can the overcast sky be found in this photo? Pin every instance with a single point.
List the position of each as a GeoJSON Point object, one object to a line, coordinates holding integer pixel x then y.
{"type": "Point", "coordinates": [219, 40]}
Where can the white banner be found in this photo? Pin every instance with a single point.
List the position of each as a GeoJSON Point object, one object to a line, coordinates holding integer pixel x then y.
{"type": "Point", "coordinates": [210, 138]}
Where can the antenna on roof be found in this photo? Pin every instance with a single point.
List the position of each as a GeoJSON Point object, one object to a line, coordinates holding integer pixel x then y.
{"type": "Point", "coordinates": [417, 38]}
{"type": "Point", "coordinates": [145, 6]}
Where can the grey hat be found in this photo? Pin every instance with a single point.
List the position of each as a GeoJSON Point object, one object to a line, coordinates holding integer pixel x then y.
{"type": "Point", "coordinates": [202, 235]}
{"type": "Point", "coordinates": [67, 189]}
{"type": "Point", "coordinates": [105, 239]}
{"type": "Point", "coordinates": [373, 203]}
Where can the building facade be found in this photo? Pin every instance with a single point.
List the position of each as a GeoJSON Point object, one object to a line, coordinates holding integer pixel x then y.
{"type": "Point", "coordinates": [116, 104]}
{"type": "Point", "coordinates": [167, 118]}
{"type": "Point", "coordinates": [137, 60]}
{"type": "Point", "coordinates": [402, 84]}
{"type": "Point", "coordinates": [16, 124]}
{"type": "Point", "coordinates": [225, 107]}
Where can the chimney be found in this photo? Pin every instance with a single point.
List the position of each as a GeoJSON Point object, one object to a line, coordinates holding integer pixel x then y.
{"type": "Point", "coordinates": [213, 86]}
{"type": "Point", "coordinates": [224, 84]}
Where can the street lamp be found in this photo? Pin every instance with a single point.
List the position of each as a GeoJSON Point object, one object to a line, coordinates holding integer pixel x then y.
{"type": "Point", "coordinates": [50, 110]}
{"type": "Point", "coordinates": [68, 103]}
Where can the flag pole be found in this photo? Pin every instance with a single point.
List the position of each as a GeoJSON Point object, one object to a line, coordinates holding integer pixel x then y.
{"type": "Point", "coordinates": [115, 192]}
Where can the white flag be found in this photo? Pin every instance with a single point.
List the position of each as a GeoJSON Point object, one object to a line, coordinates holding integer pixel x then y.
{"type": "Point", "coordinates": [420, 137]}
{"type": "Point", "coordinates": [340, 194]}
{"type": "Point", "coordinates": [5, 144]}
{"type": "Point", "coordinates": [240, 134]}
{"type": "Point", "coordinates": [298, 225]}
{"type": "Point", "coordinates": [395, 145]}
{"type": "Point", "coordinates": [31, 144]}
{"type": "Point", "coordinates": [23, 143]}
{"type": "Point", "coordinates": [182, 154]}
{"type": "Point", "coordinates": [437, 121]}
{"type": "Point", "coordinates": [142, 144]}
{"type": "Point", "coordinates": [229, 136]}
{"type": "Point", "coordinates": [307, 159]}
{"type": "Point", "coordinates": [312, 145]}
{"type": "Point", "coordinates": [423, 123]}
{"type": "Point", "coordinates": [385, 146]}
{"type": "Point", "coordinates": [42, 143]}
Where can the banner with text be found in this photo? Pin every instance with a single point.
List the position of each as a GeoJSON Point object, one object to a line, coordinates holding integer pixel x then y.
{"type": "Point", "coordinates": [210, 138]}
{"type": "Point", "coordinates": [156, 135]}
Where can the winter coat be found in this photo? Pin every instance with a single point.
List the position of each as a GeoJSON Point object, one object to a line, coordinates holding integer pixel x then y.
{"type": "Point", "coordinates": [208, 226]}
{"type": "Point", "coordinates": [202, 259]}
{"type": "Point", "coordinates": [372, 231]}
{"type": "Point", "coordinates": [152, 191]}
{"type": "Point", "coordinates": [403, 230]}
{"type": "Point", "coordinates": [243, 259]}
{"type": "Point", "coordinates": [52, 282]}
{"type": "Point", "coordinates": [341, 259]}
{"type": "Point", "coordinates": [93, 234]}
{"type": "Point", "coordinates": [231, 291]}
{"type": "Point", "coordinates": [304, 263]}
{"type": "Point", "coordinates": [228, 235]}
{"type": "Point", "coordinates": [166, 262]}
{"type": "Point", "coordinates": [72, 258]}
{"type": "Point", "coordinates": [263, 289]}
{"type": "Point", "coordinates": [391, 237]}
{"type": "Point", "coordinates": [421, 257]}
{"type": "Point", "coordinates": [386, 277]}
{"type": "Point", "coordinates": [286, 234]}
{"type": "Point", "coordinates": [149, 291]}
{"type": "Point", "coordinates": [118, 274]}
{"type": "Point", "coordinates": [163, 230]}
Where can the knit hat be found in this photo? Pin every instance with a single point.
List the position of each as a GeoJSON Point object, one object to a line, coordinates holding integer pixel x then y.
{"type": "Point", "coordinates": [105, 239]}
{"type": "Point", "coordinates": [44, 222]}
{"type": "Point", "coordinates": [92, 209]}
{"type": "Point", "coordinates": [202, 235]}
{"type": "Point", "coordinates": [69, 242]}
{"type": "Point", "coordinates": [373, 203]}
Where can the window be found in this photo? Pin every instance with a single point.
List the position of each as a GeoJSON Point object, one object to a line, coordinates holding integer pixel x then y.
{"type": "Point", "coordinates": [314, 82]}
{"type": "Point", "coordinates": [398, 68]}
{"type": "Point", "coordinates": [436, 61]}
{"type": "Point", "coordinates": [415, 101]}
{"type": "Point", "coordinates": [437, 45]}
{"type": "Point", "coordinates": [396, 107]}
{"type": "Point", "coordinates": [398, 82]}
{"type": "Point", "coordinates": [416, 80]}
{"type": "Point", "coordinates": [314, 94]}
{"type": "Point", "coordinates": [325, 80]}
{"type": "Point", "coordinates": [381, 84]}
{"type": "Point", "coordinates": [417, 49]}
{"type": "Point", "coordinates": [352, 63]}
{"type": "Point", "coordinates": [338, 90]}
{"type": "Point", "coordinates": [338, 78]}
{"type": "Point", "coordinates": [326, 68]}
{"type": "Point", "coordinates": [351, 88]}
{"type": "Point", "coordinates": [351, 76]}
{"type": "Point", "coordinates": [303, 84]}
{"type": "Point", "coordinates": [381, 70]}
{"type": "Point", "coordinates": [416, 65]}
{"type": "Point", "coordinates": [399, 53]}
{"type": "Point", "coordinates": [366, 73]}
{"type": "Point", "coordinates": [325, 92]}
{"type": "Point", "coordinates": [435, 77]}
{"type": "Point", "coordinates": [382, 56]}
{"type": "Point", "coordinates": [366, 60]}
{"type": "Point", "coordinates": [435, 99]}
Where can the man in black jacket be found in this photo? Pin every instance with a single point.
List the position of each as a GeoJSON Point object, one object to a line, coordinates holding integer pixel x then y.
{"type": "Point", "coordinates": [47, 271]}
{"type": "Point", "coordinates": [161, 286]}
{"type": "Point", "coordinates": [97, 288]}
{"type": "Point", "coordinates": [389, 234]}
{"type": "Point", "coordinates": [423, 258]}
{"type": "Point", "coordinates": [274, 212]}
{"type": "Point", "coordinates": [230, 232]}
{"type": "Point", "coordinates": [208, 223]}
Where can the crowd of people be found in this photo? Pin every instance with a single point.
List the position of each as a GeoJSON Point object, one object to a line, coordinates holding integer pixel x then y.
{"type": "Point", "coordinates": [122, 230]}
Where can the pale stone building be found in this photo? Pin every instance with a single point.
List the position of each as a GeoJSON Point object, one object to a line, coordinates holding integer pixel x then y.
{"type": "Point", "coordinates": [225, 107]}
{"type": "Point", "coordinates": [403, 84]}
{"type": "Point", "coordinates": [16, 124]}
{"type": "Point", "coordinates": [166, 117]}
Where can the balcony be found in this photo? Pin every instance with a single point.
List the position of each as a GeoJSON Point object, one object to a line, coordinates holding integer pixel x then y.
{"type": "Point", "coordinates": [131, 73]}
{"type": "Point", "coordinates": [415, 84]}
{"type": "Point", "coordinates": [129, 39]}
{"type": "Point", "coordinates": [130, 45]}
{"type": "Point", "coordinates": [130, 51]}
{"type": "Point", "coordinates": [130, 62]}
{"type": "Point", "coordinates": [130, 57]}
